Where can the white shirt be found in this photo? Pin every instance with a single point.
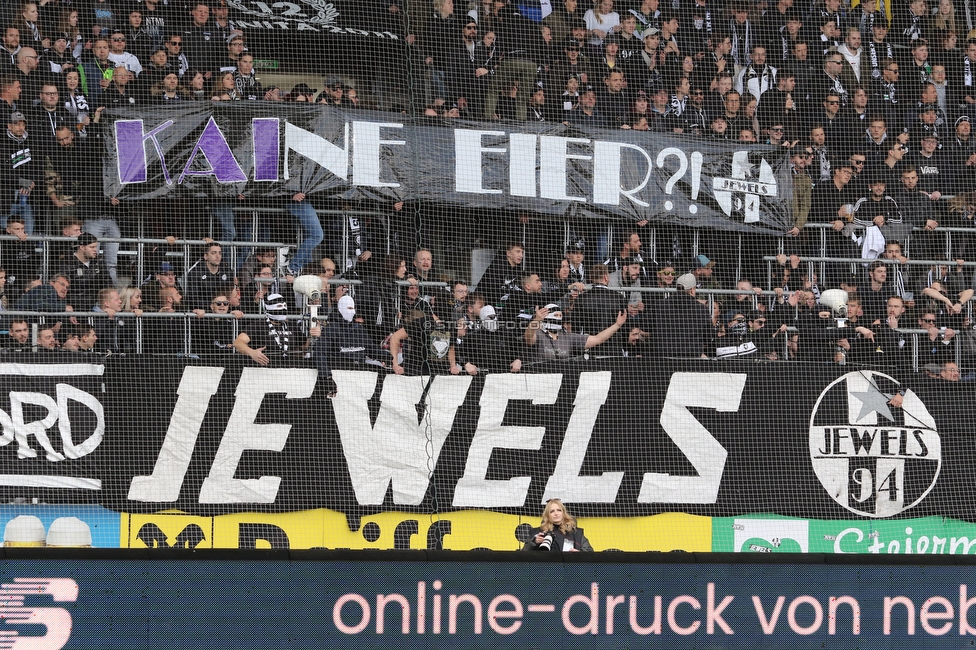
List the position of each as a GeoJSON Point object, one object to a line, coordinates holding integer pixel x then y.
{"type": "Point", "coordinates": [127, 59]}
{"type": "Point", "coordinates": [610, 21]}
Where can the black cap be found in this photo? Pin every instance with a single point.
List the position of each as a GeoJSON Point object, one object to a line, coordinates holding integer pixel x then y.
{"type": "Point", "coordinates": [571, 44]}
{"type": "Point", "coordinates": [85, 238]}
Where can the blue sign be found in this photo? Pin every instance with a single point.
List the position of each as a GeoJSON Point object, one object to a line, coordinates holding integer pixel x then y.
{"type": "Point", "coordinates": [104, 524]}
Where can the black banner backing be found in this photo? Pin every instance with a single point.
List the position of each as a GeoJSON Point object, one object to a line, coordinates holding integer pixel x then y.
{"type": "Point", "coordinates": [266, 149]}
{"type": "Point", "coordinates": [623, 438]}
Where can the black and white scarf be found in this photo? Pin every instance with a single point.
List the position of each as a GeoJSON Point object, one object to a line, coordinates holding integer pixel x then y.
{"type": "Point", "coordinates": [839, 88]}
{"type": "Point", "coordinates": [647, 22]}
{"type": "Point", "coordinates": [245, 85]}
{"type": "Point", "coordinates": [889, 92]}
{"type": "Point", "coordinates": [824, 162]}
{"type": "Point", "coordinates": [876, 60]}
{"type": "Point", "coordinates": [708, 21]}
{"type": "Point", "coordinates": [914, 30]}
{"type": "Point", "coordinates": [899, 281]}
{"type": "Point", "coordinates": [704, 24]}
{"type": "Point", "coordinates": [867, 22]}
{"type": "Point", "coordinates": [678, 105]}
{"type": "Point", "coordinates": [276, 309]}
{"type": "Point", "coordinates": [35, 33]}
{"type": "Point", "coordinates": [76, 103]}
{"type": "Point", "coordinates": [577, 274]}
{"type": "Point", "coordinates": [278, 331]}
{"type": "Point", "coordinates": [837, 20]}
{"type": "Point", "coordinates": [746, 42]}
{"type": "Point", "coordinates": [784, 37]}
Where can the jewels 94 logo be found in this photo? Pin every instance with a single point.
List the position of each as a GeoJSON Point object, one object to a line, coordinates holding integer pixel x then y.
{"type": "Point", "coordinates": [56, 621]}
{"type": "Point", "coordinates": [876, 452]}
{"type": "Point", "coordinates": [741, 193]}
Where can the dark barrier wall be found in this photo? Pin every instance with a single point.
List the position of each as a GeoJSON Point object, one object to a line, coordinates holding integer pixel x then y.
{"type": "Point", "coordinates": [621, 439]}
{"type": "Point", "coordinates": [379, 600]}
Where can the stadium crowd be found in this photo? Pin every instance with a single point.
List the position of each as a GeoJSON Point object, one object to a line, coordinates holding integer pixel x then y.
{"type": "Point", "coordinates": [874, 113]}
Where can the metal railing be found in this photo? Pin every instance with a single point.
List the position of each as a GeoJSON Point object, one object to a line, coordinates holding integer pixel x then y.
{"type": "Point", "coordinates": [822, 259]}
{"type": "Point", "coordinates": [42, 318]}
{"type": "Point", "coordinates": [753, 296]}
{"type": "Point", "coordinates": [188, 318]}
{"type": "Point", "coordinates": [697, 237]}
{"type": "Point", "coordinates": [139, 250]}
{"type": "Point", "coordinates": [135, 246]}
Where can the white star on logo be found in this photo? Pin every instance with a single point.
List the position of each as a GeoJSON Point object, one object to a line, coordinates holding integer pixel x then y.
{"type": "Point", "coordinates": [873, 401]}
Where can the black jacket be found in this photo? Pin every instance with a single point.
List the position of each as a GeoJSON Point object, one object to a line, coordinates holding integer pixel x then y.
{"type": "Point", "coordinates": [576, 537]}
{"type": "Point", "coordinates": [202, 285]}
{"type": "Point", "coordinates": [21, 262]}
{"type": "Point", "coordinates": [519, 37]}
{"type": "Point", "coordinates": [74, 166]}
{"type": "Point", "coordinates": [345, 346]}
{"type": "Point", "coordinates": [19, 166]}
{"type": "Point", "coordinates": [440, 37]}
{"type": "Point", "coordinates": [595, 311]}
{"type": "Point", "coordinates": [500, 281]}
{"type": "Point", "coordinates": [463, 74]}
{"type": "Point", "coordinates": [44, 125]}
{"type": "Point", "coordinates": [682, 327]}
{"type": "Point", "coordinates": [213, 335]}
{"type": "Point", "coordinates": [86, 282]}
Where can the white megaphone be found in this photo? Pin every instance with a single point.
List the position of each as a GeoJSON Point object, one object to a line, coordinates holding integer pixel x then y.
{"type": "Point", "coordinates": [836, 300]}
{"type": "Point", "coordinates": [310, 286]}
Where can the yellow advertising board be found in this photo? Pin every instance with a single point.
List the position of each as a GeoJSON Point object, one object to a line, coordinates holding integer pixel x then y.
{"type": "Point", "coordinates": [461, 531]}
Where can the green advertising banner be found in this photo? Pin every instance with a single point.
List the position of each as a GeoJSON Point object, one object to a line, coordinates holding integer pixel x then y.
{"type": "Point", "coordinates": [774, 534]}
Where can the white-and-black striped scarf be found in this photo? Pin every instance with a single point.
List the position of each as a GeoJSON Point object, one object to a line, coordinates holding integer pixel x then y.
{"type": "Point", "coordinates": [746, 45]}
